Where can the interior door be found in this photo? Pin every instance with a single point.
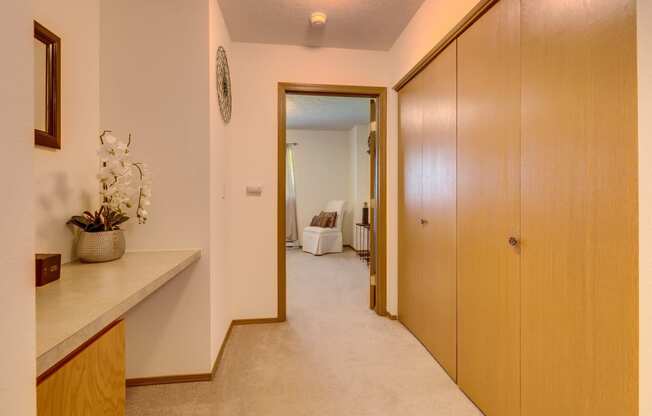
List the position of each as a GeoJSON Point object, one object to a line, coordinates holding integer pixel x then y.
{"type": "Point", "coordinates": [409, 206]}
{"type": "Point", "coordinates": [580, 263]}
{"type": "Point", "coordinates": [489, 210]}
{"type": "Point", "coordinates": [439, 157]}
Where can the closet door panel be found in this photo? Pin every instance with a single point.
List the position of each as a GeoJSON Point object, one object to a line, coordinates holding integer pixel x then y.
{"type": "Point", "coordinates": [439, 209]}
{"type": "Point", "coordinates": [409, 207]}
{"type": "Point", "coordinates": [489, 210]}
{"type": "Point", "coordinates": [580, 311]}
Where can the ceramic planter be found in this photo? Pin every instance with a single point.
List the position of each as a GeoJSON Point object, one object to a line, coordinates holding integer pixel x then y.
{"type": "Point", "coordinates": [101, 247]}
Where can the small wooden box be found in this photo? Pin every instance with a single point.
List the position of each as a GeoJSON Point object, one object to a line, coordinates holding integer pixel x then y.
{"type": "Point", "coordinates": [48, 268]}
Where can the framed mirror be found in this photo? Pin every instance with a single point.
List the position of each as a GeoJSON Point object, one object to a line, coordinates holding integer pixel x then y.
{"type": "Point", "coordinates": [47, 88]}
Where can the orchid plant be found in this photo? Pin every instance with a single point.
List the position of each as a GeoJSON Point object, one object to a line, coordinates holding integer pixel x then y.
{"type": "Point", "coordinates": [122, 181]}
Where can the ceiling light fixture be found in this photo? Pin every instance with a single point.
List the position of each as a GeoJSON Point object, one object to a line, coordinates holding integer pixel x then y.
{"type": "Point", "coordinates": [318, 19]}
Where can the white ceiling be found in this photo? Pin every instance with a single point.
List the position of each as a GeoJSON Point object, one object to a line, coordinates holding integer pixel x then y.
{"type": "Point", "coordinates": [310, 112]}
{"type": "Point", "coordinates": [353, 24]}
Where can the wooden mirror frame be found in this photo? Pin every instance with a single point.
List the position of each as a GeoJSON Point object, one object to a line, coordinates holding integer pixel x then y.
{"type": "Point", "coordinates": [51, 137]}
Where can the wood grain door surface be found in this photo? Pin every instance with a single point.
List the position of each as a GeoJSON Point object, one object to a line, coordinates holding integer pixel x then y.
{"type": "Point", "coordinates": [439, 164]}
{"type": "Point", "coordinates": [489, 211]}
{"type": "Point", "coordinates": [546, 152]}
{"type": "Point", "coordinates": [410, 206]}
{"type": "Point", "coordinates": [580, 251]}
{"type": "Point", "coordinates": [92, 383]}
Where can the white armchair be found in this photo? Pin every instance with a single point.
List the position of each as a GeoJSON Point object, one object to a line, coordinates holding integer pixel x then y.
{"type": "Point", "coordinates": [318, 240]}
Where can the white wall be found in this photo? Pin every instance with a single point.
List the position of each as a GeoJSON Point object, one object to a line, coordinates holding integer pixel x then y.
{"type": "Point", "coordinates": [256, 70]}
{"type": "Point", "coordinates": [323, 172]}
{"type": "Point", "coordinates": [65, 182]}
{"type": "Point", "coordinates": [361, 172]}
{"type": "Point", "coordinates": [156, 83]}
{"type": "Point", "coordinates": [17, 321]}
{"type": "Point", "coordinates": [220, 288]}
{"type": "Point", "coordinates": [645, 202]}
{"type": "Point", "coordinates": [177, 138]}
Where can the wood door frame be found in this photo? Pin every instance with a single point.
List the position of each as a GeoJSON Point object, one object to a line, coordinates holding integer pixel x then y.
{"type": "Point", "coordinates": [379, 93]}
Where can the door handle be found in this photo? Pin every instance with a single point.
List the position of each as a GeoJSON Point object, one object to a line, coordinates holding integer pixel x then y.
{"type": "Point", "coordinates": [513, 241]}
{"type": "Point", "coordinates": [423, 221]}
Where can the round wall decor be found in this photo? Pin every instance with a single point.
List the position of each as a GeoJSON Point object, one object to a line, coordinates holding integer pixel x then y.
{"type": "Point", "coordinates": [223, 84]}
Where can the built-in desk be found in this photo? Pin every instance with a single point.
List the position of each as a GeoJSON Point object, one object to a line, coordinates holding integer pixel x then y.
{"type": "Point", "coordinates": [89, 298]}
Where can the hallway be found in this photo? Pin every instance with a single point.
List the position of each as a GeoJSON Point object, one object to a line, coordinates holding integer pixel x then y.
{"type": "Point", "coordinates": [332, 357]}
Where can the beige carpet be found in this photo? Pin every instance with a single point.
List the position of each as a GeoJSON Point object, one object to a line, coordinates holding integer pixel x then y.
{"type": "Point", "coordinates": [333, 357]}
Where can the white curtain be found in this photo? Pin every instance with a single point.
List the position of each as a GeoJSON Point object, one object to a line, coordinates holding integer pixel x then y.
{"type": "Point", "coordinates": [291, 226]}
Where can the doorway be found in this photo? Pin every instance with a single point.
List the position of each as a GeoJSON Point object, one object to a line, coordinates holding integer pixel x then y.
{"type": "Point", "coordinates": [377, 203]}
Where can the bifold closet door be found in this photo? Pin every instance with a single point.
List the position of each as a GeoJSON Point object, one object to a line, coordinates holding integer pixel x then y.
{"type": "Point", "coordinates": [409, 205]}
{"type": "Point", "coordinates": [489, 210]}
{"type": "Point", "coordinates": [439, 138]}
{"type": "Point", "coordinates": [427, 208]}
{"type": "Point", "coordinates": [580, 259]}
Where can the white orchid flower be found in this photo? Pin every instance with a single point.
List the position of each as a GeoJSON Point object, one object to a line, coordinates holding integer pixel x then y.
{"type": "Point", "coordinates": [123, 181]}
{"type": "Point", "coordinates": [110, 139]}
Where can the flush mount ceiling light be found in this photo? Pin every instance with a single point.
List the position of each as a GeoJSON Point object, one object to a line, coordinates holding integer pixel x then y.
{"type": "Point", "coordinates": [318, 19]}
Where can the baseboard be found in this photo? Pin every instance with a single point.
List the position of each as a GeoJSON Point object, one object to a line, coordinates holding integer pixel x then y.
{"type": "Point", "coordinates": [257, 321]}
{"type": "Point", "coordinates": [182, 378]}
{"type": "Point", "coordinates": [218, 359]}
{"type": "Point", "coordinates": [195, 378]}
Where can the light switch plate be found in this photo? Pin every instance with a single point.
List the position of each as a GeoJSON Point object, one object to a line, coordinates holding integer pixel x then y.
{"type": "Point", "coordinates": [254, 190]}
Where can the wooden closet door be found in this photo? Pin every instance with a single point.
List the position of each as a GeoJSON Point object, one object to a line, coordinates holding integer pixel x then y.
{"type": "Point", "coordinates": [409, 206]}
{"type": "Point", "coordinates": [580, 252]}
{"type": "Point", "coordinates": [489, 210]}
{"type": "Point", "coordinates": [439, 283]}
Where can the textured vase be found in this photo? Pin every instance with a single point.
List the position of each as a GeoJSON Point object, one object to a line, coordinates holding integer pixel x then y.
{"type": "Point", "coordinates": [101, 247]}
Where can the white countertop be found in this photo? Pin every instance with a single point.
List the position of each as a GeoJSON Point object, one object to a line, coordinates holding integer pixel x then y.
{"type": "Point", "coordinates": [88, 297]}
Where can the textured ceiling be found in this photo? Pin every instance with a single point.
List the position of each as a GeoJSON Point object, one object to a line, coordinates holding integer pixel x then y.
{"type": "Point", "coordinates": [312, 112]}
{"type": "Point", "coordinates": [354, 24]}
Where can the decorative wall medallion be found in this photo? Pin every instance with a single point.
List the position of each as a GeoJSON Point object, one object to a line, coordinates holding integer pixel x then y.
{"type": "Point", "coordinates": [223, 84]}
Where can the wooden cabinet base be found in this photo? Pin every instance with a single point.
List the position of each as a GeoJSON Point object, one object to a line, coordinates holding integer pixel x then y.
{"type": "Point", "coordinates": [91, 382]}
